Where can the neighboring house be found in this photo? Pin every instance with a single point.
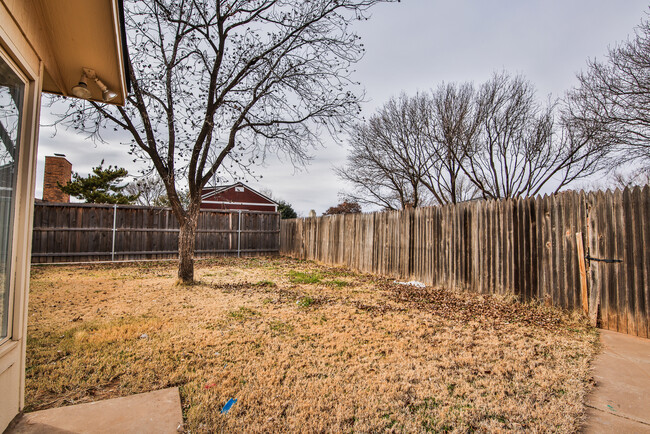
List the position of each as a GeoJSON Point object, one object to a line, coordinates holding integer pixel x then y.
{"type": "Point", "coordinates": [236, 197]}
{"type": "Point", "coordinates": [44, 46]}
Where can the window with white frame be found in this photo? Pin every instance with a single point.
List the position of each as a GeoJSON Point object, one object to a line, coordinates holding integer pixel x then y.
{"type": "Point", "coordinates": [12, 89]}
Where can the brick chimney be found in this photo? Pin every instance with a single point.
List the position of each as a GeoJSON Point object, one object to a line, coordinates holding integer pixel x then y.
{"type": "Point", "coordinates": [57, 169]}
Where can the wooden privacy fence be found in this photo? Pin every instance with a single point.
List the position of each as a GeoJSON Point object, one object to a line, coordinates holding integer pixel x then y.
{"type": "Point", "coordinates": [533, 248]}
{"type": "Point", "coordinates": [92, 232]}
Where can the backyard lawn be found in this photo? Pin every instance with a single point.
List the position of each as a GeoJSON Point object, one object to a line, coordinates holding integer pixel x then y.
{"type": "Point", "coordinates": [304, 347]}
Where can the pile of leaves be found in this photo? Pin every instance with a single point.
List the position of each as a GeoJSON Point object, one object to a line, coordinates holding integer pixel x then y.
{"type": "Point", "coordinates": [472, 306]}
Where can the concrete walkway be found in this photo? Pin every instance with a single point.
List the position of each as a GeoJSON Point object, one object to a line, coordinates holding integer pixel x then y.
{"type": "Point", "coordinates": [152, 412]}
{"type": "Point", "coordinates": [620, 402]}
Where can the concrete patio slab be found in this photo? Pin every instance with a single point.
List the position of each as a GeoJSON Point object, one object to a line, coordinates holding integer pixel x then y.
{"type": "Point", "coordinates": [620, 402]}
{"type": "Point", "coordinates": [152, 412]}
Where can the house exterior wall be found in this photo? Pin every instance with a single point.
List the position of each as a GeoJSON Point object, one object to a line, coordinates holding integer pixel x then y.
{"type": "Point", "coordinates": [58, 170]}
{"type": "Point", "coordinates": [16, 50]}
{"type": "Point", "coordinates": [237, 207]}
{"type": "Point", "coordinates": [230, 199]}
{"type": "Point", "coordinates": [26, 50]}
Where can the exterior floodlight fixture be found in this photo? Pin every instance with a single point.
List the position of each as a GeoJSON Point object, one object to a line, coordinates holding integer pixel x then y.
{"type": "Point", "coordinates": [107, 94]}
{"type": "Point", "coordinates": [81, 89]}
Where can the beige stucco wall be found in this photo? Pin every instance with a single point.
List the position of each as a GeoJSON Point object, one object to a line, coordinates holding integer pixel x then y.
{"type": "Point", "coordinates": [31, 40]}
{"type": "Point", "coordinates": [17, 50]}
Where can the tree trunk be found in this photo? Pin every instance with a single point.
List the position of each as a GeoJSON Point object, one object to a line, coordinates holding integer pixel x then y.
{"type": "Point", "coordinates": [186, 243]}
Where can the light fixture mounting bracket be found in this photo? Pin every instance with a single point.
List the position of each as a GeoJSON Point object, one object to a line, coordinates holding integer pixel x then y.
{"type": "Point", "coordinates": [90, 73]}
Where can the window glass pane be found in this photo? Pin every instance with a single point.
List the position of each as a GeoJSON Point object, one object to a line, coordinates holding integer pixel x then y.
{"type": "Point", "coordinates": [11, 103]}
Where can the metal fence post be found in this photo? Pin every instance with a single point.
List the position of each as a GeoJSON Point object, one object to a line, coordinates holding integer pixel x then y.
{"type": "Point", "coordinates": [239, 235]}
{"type": "Point", "coordinates": [114, 224]}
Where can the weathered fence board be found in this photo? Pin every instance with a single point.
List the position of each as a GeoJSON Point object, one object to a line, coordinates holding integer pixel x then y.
{"type": "Point", "coordinates": [527, 247]}
{"type": "Point", "coordinates": [90, 232]}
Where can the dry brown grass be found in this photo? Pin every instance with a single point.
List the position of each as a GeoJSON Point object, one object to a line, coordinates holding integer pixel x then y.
{"type": "Point", "coordinates": [304, 347]}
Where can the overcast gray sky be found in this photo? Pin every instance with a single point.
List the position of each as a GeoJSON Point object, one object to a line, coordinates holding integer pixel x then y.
{"type": "Point", "coordinates": [414, 45]}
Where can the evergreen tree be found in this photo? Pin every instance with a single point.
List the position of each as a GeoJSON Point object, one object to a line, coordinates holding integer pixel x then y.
{"type": "Point", "coordinates": [286, 211]}
{"type": "Point", "coordinates": [101, 186]}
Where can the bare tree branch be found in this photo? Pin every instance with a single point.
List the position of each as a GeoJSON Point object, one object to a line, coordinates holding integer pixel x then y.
{"type": "Point", "coordinates": [611, 104]}
{"type": "Point", "coordinates": [218, 83]}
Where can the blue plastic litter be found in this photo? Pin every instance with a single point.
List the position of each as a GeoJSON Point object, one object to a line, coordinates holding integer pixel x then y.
{"type": "Point", "coordinates": [229, 404]}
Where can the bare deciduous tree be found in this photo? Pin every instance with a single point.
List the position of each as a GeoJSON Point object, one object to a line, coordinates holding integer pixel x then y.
{"type": "Point", "coordinates": [521, 145]}
{"type": "Point", "coordinates": [450, 122]}
{"type": "Point", "coordinates": [218, 83]}
{"type": "Point", "coordinates": [385, 162]}
{"type": "Point", "coordinates": [148, 189]}
{"type": "Point", "coordinates": [460, 142]}
{"type": "Point", "coordinates": [400, 157]}
{"type": "Point", "coordinates": [612, 101]}
{"type": "Point", "coordinates": [630, 179]}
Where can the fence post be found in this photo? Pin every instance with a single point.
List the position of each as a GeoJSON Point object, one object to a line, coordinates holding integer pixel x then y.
{"type": "Point", "coordinates": [584, 297]}
{"type": "Point", "coordinates": [239, 234]}
{"type": "Point", "coordinates": [114, 224]}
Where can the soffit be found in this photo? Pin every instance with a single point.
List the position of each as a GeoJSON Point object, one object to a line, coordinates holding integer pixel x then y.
{"type": "Point", "coordinates": [86, 34]}
{"type": "Point", "coordinates": [70, 35]}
